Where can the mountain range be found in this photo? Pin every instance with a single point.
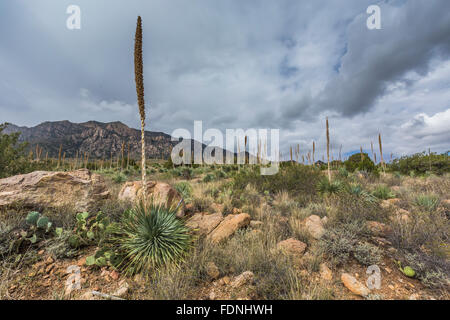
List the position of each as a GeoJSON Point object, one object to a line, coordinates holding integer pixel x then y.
{"type": "Point", "coordinates": [99, 140]}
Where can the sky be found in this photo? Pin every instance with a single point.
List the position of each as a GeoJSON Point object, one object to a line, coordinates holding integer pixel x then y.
{"type": "Point", "coordinates": [285, 64]}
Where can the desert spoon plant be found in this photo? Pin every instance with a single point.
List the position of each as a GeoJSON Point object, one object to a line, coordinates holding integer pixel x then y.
{"type": "Point", "coordinates": [139, 77]}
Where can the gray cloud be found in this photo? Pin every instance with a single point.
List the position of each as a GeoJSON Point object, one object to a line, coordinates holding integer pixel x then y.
{"type": "Point", "coordinates": [235, 64]}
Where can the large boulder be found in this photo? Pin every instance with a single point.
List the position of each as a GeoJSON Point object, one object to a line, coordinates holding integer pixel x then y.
{"type": "Point", "coordinates": [228, 227]}
{"type": "Point", "coordinates": [160, 192]}
{"type": "Point", "coordinates": [81, 190]}
{"type": "Point", "coordinates": [203, 223]}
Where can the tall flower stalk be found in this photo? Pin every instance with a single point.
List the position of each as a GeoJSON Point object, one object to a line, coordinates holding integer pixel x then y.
{"type": "Point", "coordinates": [328, 151]}
{"type": "Point", "coordinates": [139, 77]}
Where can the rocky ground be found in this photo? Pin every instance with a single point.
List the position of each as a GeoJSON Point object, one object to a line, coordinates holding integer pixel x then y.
{"type": "Point", "coordinates": [248, 245]}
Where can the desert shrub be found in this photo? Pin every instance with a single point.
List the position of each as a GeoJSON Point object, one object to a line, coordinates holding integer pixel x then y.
{"type": "Point", "coordinates": [383, 192]}
{"type": "Point", "coordinates": [318, 209]}
{"type": "Point", "coordinates": [343, 173]}
{"type": "Point", "coordinates": [338, 244]}
{"type": "Point", "coordinates": [420, 163]}
{"type": "Point", "coordinates": [119, 177]}
{"type": "Point", "coordinates": [245, 252]}
{"type": "Point", "coordinates": [12, 154]}
{"type": "Point", "coordinates": [358, 191]}
{"type": "Point", "coordinates": [432, 272]}
{"type": "Point", "coordinates": [148, 236]}
{"type": "Point", "coordinates": [283, 204]}
{"type": "Point", "coordinates": [221, 174]}
{"type": "Point", "coordinates": [168, 164]}
{"type": "Point", "coordinates": [209, 178]}
{"type": "Point", "coordinates": [295, 179]}
{"type": "Point", "coordinates": [342, 241]}
{"type": "Point", "coordinates": [184, 189]}
{"type": "Point", "coordinates": [427, 202]}
{"type": "Point", "coordinates": [367, 254]}
{"type": "Point", "coordinates": [352, 208]}
{"type": "Point", "coordinates": [354, 163]}
{"type": "Point", "coordinates": [169, 283]}
{"type": "Point", "coordinates": [423, 242]}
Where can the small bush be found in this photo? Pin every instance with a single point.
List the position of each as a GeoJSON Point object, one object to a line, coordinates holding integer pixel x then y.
{"type": "Point", "coordinates": [427, 202]}
{"type": "Point", "coordinates": [295, 179]}
{"type": "Point", "coordinates": [383, 192]}
{"type": "Point", "coordinates": [338, 244]}
{"type": "Point", "coordinates": [367, 254]}
{"type": "Point", "coordinates": [184, 189]}
{"type": "Point", "coordinates": [119, 177]}
{"type": "Point", "coordinates": [209, 178]}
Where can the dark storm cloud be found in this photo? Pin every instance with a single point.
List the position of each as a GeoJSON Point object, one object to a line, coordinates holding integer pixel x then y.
{"type": "Point", "coordinates": [233, 64]}
{"type": "Point", "coordinates": [411, 36]}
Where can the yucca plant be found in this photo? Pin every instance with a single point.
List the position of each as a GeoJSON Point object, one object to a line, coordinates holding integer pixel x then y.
{"type": "Point", "coordinates": [357, 190]}
{"type": "Point", "coordinates": [427, 202]}
{"type": "Point", "coordinates": [331, 187]}
{"type": "Point", "coordinates": [184, 189]}
{"type": "Point", "coordinates": [139, 78]}
{"type": "Point", "coordinates": [150, 235]}
{"type": "Point", "coordinates": [383, 192]}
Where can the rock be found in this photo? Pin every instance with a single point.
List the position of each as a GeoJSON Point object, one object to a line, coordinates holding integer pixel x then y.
{"type": "Point", "coordinates": [292, 246]}
{"type": "Point", "coordinates": [212, 270]}
{"type": "Point", "coordinates": [161, 193]}
{"type": "Point", "coordinates": [225, 280]}
{"type": "Point", "coordinates": [228, 227]}
{"type": "Point", "coordinates": [80, 190]}
{"type": "Point", "coordinates": [236, 211]}
{"type": "Point", "coordinates": [314, 226]}
{"type": "Point", "coordinates": [325, 272]}
{"type": "Point", "coordinates": [324, 220]}
{"type": "Point", "coordinates": [122, 291]}
{"type": "Point", "coordinates": [255, 224]}
{"type": "Point", "coordinates": [354, 285]}
{"type": "Point", "coordinates": [114, 275]}
{"type": "Point", "coordinates": [243, 279]}
{"type": "Point", "coordinates": [203, 223]}
{"type": "Point", "coordinates": [378, 228]}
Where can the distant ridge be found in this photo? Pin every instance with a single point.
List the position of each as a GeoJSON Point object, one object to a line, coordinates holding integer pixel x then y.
{"type": "Point", "coordinates": [96, 138]}
{"type": "Point", "coordinates": [100, 140]}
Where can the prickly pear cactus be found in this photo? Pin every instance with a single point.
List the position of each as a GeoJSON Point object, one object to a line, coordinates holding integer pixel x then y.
{"type": "Point", "coordinates": [32, 218]}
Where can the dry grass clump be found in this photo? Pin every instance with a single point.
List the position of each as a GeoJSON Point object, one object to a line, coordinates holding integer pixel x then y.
{"type": "Point", "coordinates": [285, 205]}
{"type": "Point", "coordinates": [201, 198]}
{"type": "Point", "coordinates": [301, 288]}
